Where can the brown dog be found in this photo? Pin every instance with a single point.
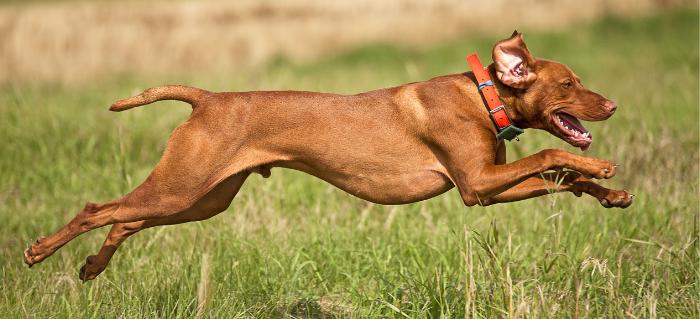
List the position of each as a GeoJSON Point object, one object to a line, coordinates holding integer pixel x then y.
{"type": "Point", "coordinates": [391, 146]}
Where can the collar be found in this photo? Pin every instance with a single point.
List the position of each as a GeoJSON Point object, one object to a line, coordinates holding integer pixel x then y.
{"type": "Point", "coordinates": [505, 127]}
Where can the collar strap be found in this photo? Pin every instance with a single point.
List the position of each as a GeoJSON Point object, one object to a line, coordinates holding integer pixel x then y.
{"type": "Point", "coordinates": [506, 129]}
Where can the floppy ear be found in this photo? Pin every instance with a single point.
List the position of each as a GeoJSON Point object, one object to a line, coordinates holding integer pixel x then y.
{"type": "Point", "coordinates": [514, 64]}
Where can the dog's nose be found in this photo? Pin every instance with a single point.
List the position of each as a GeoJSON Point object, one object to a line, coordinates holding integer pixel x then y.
{"type": "Point", "coordinates": [610, 106]}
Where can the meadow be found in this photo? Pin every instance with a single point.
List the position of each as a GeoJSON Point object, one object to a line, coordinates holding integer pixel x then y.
{"type": "Point", "coordinates": [292, 246]}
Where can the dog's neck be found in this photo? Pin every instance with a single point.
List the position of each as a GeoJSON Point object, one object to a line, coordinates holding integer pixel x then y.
{"type": "Point", "coordinates": [510, 99]}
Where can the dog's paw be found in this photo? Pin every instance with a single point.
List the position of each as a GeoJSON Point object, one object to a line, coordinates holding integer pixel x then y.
{"type": "Point", "coordinates": [90, 269]}
{"type": "Point", "coordinates": [32, 255]}
{"type": "Point", "coordinates": [622, 199]}
{"type": "Point", "coordinates": [600, 169]}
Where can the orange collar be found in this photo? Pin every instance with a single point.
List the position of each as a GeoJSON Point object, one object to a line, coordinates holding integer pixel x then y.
{"type": "Point", "coordinates": [506, 129]}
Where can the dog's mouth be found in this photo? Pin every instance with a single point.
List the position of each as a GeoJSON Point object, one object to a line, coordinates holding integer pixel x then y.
{"type": "Point", "coordinates": [574, 132]}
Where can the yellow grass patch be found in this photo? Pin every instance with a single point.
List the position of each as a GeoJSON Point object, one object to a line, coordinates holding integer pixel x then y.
{"type": "Point", "coordinates": [75, 42]}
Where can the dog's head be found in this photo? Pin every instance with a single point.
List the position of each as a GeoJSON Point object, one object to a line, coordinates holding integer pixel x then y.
{"type": "Point", "coordinates": [550, 95]}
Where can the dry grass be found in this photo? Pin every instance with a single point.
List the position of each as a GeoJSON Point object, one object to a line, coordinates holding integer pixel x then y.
{"type": "Point", "coordinates": [77, 42]}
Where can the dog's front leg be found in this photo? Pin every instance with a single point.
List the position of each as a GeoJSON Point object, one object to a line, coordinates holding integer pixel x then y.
{"type": "Point", "coordinates": [481, 181]}
{"type": "Point", "coordinates": [562, 181]}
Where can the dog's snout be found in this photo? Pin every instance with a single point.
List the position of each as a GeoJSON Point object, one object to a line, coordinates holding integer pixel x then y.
{"type": "Point", "coordinates": [610, 106]}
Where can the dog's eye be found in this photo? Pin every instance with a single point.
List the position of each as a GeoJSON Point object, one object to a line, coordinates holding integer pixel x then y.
{"type": "Point", "coordinates": [567, 85]}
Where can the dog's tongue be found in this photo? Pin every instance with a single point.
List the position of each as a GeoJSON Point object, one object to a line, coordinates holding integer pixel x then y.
{"type": "Point", "coordinates": [574, 124]}
{"type": "Point", "coordinates": [584, 148]}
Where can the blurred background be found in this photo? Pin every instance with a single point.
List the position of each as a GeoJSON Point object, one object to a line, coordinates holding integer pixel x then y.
{"type": "Point", "coordinates": [73, 42]}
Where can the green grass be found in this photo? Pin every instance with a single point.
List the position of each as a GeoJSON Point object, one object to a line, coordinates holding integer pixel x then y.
{"type": "Point", "coordinates": [293, 246]}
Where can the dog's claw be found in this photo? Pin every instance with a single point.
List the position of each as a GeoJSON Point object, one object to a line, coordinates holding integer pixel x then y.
{"type": "Point", "coordinates": [616, 165]}
{"type": "Point", "coordinates": [82, 275]}
{"type": "Point", "coordinates": [29, 252]}
{"type": "Point", "coordinates": [629, 202]}
{"type": "Point", "coordinates": [28, 257]}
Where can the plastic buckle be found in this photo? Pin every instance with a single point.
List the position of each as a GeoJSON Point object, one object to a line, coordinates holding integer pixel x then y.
{"type": "Point", "coordinates": [510, 132]}
{"type": "Point", "coordinates": [485, 84]}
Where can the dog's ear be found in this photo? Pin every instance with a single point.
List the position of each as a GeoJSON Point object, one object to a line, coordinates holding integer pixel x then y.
{"type": "Point", "coordinates": [514, 64]}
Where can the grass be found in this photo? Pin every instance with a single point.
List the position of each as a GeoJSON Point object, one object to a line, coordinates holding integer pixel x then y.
{"type": "Point", "coordinates": [293, 246]}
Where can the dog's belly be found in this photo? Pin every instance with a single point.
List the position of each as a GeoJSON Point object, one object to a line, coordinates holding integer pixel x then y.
{"type": "Point", "coordinates": [383, 186]}
{"type": "Point", "coordinates": [396, 189]}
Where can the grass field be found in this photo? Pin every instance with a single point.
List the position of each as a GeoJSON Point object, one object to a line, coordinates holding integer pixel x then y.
{"type": "Point", "coordinates": [293, 246]}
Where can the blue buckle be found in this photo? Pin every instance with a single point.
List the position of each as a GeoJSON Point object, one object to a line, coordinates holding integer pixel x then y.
{"type": "Point", "coordinates": [483, 85]}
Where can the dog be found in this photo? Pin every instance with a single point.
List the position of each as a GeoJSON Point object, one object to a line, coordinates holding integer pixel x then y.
{"type": "Point", "coordinates": [391, 146]}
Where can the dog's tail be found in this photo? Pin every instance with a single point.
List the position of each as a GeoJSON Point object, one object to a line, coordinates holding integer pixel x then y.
{"type": "Point", "coordinates": [167, 92]}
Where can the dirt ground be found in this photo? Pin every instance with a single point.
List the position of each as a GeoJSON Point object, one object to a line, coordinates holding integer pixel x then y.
{"type": "Point", "coordinates": [75, 42]}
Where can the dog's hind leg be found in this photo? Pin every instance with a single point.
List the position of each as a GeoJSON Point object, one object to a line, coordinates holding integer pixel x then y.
{"type": "Point", "coordinates": [190, 168]}
{"type": "Point", "coordinates": [211, 204]}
